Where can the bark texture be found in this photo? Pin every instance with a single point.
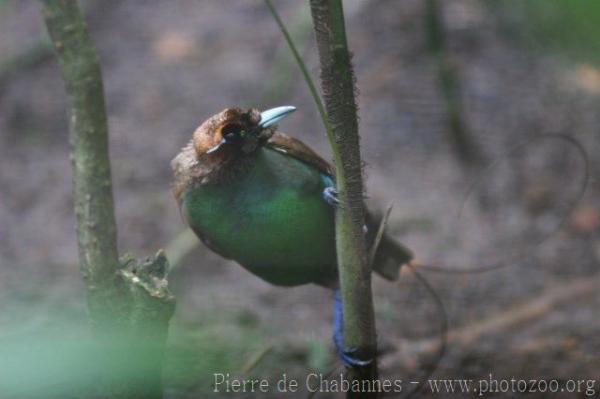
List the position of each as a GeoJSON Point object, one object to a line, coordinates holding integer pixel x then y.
{"type": "Point", "coordinates": [338, 85]}
{"type": "Point", "coordinates": [129, 302]}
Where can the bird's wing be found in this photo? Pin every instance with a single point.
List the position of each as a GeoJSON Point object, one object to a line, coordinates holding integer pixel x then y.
{"type": "Point", "coordinates": [297, 149]}
{"type": "Point", "coordinates": [390, 254]}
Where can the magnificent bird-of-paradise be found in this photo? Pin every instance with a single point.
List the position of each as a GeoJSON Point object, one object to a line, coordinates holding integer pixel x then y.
{"type": "Point", "coordinates": [267, 201]}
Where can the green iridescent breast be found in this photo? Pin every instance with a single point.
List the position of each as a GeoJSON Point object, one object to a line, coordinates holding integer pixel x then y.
{"type": "Point", "coordinates": [270, 217]}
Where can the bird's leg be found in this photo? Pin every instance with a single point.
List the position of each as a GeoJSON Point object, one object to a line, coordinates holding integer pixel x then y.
{"type": "Point", "coordinates": [345, 354]}
{"type": "Point", "coordinates": [330, 194]}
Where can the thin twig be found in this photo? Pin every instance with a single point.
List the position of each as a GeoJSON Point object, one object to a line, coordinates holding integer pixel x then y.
{"type": "Point", "coordinates": [443, 334]}
{"type": "Point", "coordinates": [256, 359]}
{"type": "Point", "coordinates": [180, 246]}
{"type": "Point", "coordinates": [309, 82]}
{"type": "Point", "coordinates": [528, 252]}
{"type": "Point", "coordinates": [519, 314]}
{"type": "Point", "coordinates": [380, 232]}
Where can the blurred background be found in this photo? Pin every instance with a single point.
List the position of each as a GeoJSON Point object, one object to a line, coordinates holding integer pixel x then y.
{"type": "Point", "coordinates": [444, 102]}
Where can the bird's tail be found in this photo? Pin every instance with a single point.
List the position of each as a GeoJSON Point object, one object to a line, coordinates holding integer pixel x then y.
{"type": "Point", "coordinates": [390, 255]}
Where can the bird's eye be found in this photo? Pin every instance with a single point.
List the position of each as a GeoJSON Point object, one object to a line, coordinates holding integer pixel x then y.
{"type": "Point", "coordinates": [231, 132]}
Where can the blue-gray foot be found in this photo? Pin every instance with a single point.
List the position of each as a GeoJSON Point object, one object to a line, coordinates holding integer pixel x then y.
{"type": "Point", "coordinates": [330, 196]}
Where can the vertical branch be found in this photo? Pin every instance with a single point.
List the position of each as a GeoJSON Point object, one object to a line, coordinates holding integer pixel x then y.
{"type": "Point", "coordinates": [129, 304]}
{"type": "Point", "coordinates": [337, 81]}
{"type": "Point", "coordinates": [88, 136]}
{"type": "Point", "coordinates": [466, 149]}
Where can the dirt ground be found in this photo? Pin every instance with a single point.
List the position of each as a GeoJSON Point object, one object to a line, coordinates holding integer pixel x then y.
{"type": "Point", "coordinates": [168, 65]}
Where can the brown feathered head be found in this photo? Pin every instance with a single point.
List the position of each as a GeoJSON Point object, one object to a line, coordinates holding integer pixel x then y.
{"type": "Point", "coordinates": [233, 131]}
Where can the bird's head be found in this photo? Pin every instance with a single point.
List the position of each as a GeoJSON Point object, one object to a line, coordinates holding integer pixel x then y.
{"type": "Point", "coordinates": [234, 132]}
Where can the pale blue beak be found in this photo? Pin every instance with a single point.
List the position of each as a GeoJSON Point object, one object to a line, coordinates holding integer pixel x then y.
{"type": "Point", "coordinates": [274, 115]}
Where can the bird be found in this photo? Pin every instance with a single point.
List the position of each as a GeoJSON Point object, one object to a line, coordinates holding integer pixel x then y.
{"type": "Point", "coordinates": [267, 201]}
